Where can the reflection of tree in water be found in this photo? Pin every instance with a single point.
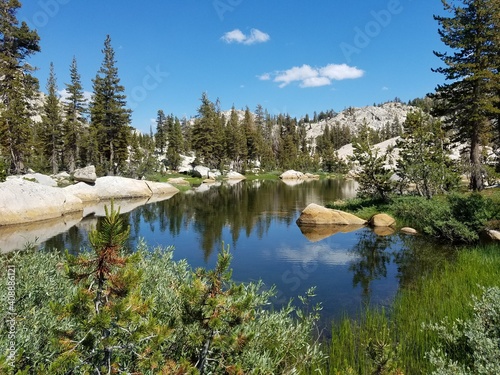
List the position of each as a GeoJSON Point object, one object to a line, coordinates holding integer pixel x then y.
{"type": "Point", "coordinates": [420, 256]}
{"type": "Point", "coordinates": [244, 208]}
{"type": "Point", "coordinates": [373, 257]}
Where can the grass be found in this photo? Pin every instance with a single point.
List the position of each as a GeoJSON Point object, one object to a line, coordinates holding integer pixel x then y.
{"type": "Point", "coordinates": [398, 337]}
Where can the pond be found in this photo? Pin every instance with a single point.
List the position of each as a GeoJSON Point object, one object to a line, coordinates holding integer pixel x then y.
{"type": "Point", "coordinates": [257, 219]}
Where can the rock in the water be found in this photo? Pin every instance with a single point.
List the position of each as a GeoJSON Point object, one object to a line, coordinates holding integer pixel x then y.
{"type": "Point", "coordinates": [23, 201]}
{"type": "Point", "coordinates": [408, 230]}
{"type": "Point", "coordinates": [382, 220]}
{"type": "Point", "coordinates": [293, 175]}
{"type": "Point", "coordinates": [235, 176]}
{"type": "Point", "coordinates": [319, 215]}
{"type": "Point", "coordinates": [86, 174]}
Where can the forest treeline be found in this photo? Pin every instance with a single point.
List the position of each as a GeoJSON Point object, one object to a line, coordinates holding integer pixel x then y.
{"type": "Point", "coordinates": [48, 134]}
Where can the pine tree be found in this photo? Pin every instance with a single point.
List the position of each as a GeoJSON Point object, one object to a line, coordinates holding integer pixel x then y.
{"type": "Point", "coordinates": [250, 132]}
{"type": "Point", "coordinates": [52, 124]}
{"type": "Point", "coordinates": [471, 99]}
{"type": "Point", "coordinates": [111, 329]}
{"type": "Point", "coordinates": [424, 156]}
{"type": "Point", "coordinates": [109, 119]}
{"type": "Point", "coordinates": [207, 134]}
{"type": "Point", "coordinates": [75, 107]}
{"type": "Point", "coordinates": [236, 147]}
{"type": "Point", "coordinates": [161, 131]}
{"type": "Point", "coordinates": [175, 144]}
{"type": "Point", "coordinates": [17, 86]}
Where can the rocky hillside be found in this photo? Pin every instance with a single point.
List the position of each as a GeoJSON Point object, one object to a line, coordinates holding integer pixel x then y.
{"type": "Point", "coordinates": [376, 117]}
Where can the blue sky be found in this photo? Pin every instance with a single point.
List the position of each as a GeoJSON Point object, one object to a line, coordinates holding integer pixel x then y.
{"type": "Point", "coordinates": [292, 57]}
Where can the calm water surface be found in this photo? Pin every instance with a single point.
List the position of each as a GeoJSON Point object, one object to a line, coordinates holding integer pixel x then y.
{"type": "Point", "coordinates": [258, 221]}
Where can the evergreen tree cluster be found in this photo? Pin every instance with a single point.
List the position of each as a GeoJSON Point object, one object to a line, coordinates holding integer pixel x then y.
{"type": "Point", "coordinates": [74, 132]}
{"type": "Point", "coordinates": [66, 137]}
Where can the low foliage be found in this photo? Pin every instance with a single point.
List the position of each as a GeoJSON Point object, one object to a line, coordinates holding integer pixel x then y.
{"type": "Point", "coordinates": [397, 341]}
{"type": "Point", "coordinates": [456, 218]}
{"type": "Point", "coordinates": [107, 311]}
{"type": "Point", "coordinates": [470, 346]}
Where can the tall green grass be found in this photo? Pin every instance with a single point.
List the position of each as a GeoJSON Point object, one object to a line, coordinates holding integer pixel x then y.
{"type": "Point", "coordinates": [398, 338]}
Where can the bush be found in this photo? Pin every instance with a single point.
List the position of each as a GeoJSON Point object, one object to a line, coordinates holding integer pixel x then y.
{"type": "Point", "coordinates": [110, 311]}
{"type": "Point", "coordinates": [472, 346]}
{"type": "Point", "coordinates": [456, 218]}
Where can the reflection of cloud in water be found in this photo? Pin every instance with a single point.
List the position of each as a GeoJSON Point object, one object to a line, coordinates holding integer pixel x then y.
{"type": "Point", "coordinates": [316, 253]}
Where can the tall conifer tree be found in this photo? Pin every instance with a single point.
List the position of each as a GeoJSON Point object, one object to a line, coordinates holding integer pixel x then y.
{"type": "Point", "coordinates": [109, 118]}
{"type": "Point", "coordinates": [470, 100]}
{"type": "Point", "coordinates": [17, 86]}
{"type": "Point", "coordinates": [52, 124]}
{"type": "Point", "coordinates": [75, 107]}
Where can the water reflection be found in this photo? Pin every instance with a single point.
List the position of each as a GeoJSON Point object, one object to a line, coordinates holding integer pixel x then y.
{"type": "Point", "coordinates": [373, 256]}
{"type": "Point", "coordinates": [257, 218]}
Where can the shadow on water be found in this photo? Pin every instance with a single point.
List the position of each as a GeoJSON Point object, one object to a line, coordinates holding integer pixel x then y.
{"type": "Point", "coordinates": [350, 267]}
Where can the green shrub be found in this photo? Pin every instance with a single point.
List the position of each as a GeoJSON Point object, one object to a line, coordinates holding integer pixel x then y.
{"type": "Point", "coordinates": [455, 218]}
{"type": "Point", "coordinates": [471, 346]}
{"type": "Point", "coordinates": [108, 311]}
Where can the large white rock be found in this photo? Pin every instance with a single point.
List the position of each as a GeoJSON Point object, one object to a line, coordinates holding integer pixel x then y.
{"type": "Point", "coordinates": [85, 192]}
{"type": "Point", "coordinates": [235, 176]}
{"type": "Point", "coordinates": [36, 177]}
{"type": "Point", "coordinates": [109, 187]}
{"type": "Point", "coordinates": [112, 187]}
{"type": "Point", "coordinates": [315, 214]}
{"type": "Point", "coordinates": [23, 201]}
{"type": "Point", "coordinates": [86, 174]}
{"type": "Point", "coordinates": [293, 175]}
{"type": "Point", "coordinates": [161, 188]}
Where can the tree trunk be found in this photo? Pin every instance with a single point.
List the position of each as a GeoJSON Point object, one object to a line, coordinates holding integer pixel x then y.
{"type": "Point", "coordinates": [476, 175]}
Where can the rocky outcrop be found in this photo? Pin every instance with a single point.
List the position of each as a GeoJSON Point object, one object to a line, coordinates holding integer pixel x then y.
{"type": "Point", "coordinates": [292, 175]}
{"type": "Point", "coordinates": [381, 220]}
{"type": "Point", "coordinates": [235, 176]}
{"type": "Point", "coordinates": [36, 177]}
{"type": "Point", "coordinates": [315, 214]}
{"type": "Point", "coordinates": [23, 201]}
{"type": "Point", "coordinates": [86, 174]}
{"type": "Point", "coordinates": [110, 187]}
{"type": "Point", "coordinates": [295, 175]}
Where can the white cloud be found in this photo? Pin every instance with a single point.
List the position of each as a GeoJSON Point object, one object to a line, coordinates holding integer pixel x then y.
{"type": "Point", "coordinates": [315, 82]}
{"type": "Point", "coordinates": [237, 36]}
{"type": "Point", "coordinates": [264, 77]}
{"type": "Point", "coordinates": [385, 88]}
{"type": "Point", "coordinates": [308, 76]}
{"type": "Point", "coordinates": [257, 36]}
{"type": "Point", "coordinates": [340, 72]}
